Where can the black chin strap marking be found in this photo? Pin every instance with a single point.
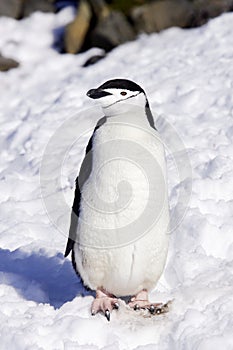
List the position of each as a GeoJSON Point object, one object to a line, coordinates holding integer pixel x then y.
{"type": "Point", "coordinates": [123, 99]}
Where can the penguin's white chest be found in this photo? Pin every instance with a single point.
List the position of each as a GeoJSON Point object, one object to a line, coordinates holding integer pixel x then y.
{"type": "Point", "coordinates": [122, 231]}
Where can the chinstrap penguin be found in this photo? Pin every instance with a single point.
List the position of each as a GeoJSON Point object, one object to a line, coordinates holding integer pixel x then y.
{"type": "Point", "coordinates": [120, 215]}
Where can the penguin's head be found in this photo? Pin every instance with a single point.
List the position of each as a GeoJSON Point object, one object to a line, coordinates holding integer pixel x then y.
{"type": "Point", "coordinates": [119, 96]}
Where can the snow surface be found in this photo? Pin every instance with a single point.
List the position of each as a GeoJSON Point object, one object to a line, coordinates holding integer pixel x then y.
{"type": "Point", "coordinates": [188, 77]}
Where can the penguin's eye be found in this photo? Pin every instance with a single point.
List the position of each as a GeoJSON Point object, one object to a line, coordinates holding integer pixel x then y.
{"type": "Point", "coordinates": [123, 93]}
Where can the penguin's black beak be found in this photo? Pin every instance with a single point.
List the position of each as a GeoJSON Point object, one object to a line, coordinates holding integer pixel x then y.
{"type": "Point", "coordinates": [97, 93]}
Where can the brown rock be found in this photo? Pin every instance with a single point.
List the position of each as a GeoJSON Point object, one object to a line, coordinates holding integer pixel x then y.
{"type": "Point", "coordinates": [156, 16]}
{"type": "Point", "coordinates": [76, 31]}
{"type": "Point", "coordinates": [100, 8]}
{"type": "Point", "coordinates": [125, 6]}
{"type": "Point", "coordinates": [7, 63]}
{"type": "Point", "coordinates": [96, 25]}
{"type": "Point", "coordinates": [11, 8]}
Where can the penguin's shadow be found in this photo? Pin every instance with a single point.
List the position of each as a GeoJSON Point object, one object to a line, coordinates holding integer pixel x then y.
{"type": "Point", "coordinates": [41, 278]}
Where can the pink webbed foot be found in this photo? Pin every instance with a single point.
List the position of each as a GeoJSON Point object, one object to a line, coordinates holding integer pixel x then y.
{"type": "Point", "coordinates": [141, 301]}
{"type": "Point", "coordinates": [104, 302]}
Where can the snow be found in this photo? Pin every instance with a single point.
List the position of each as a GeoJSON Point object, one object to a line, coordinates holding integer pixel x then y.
{"type": "Point", "coordinates": [45, 124]}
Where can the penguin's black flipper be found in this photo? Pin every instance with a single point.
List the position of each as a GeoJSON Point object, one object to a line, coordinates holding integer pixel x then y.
{"type": "Point", "coordinates": [69, 247]}
{"type": "Point", "coordinates": [84, 173]}
{"type": "Point", "coordinates": [73, 220]}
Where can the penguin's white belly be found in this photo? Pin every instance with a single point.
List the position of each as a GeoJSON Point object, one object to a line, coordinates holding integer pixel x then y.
{"type": "Point", "coordinates": [122, 235]}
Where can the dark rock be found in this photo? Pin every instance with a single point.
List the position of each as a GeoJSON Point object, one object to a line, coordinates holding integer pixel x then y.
{"type": "Point", "coordinates": [112, 30]}
{"type": "Point", "coordinates": [11, 8]}
{"type": "Point", "coordinates": [61, 4]}
{"type": "Point", "coordinates": [206, 9]}
{"type": "Point", "coordinates": [76, 31]}
{"type": "Point", "coordinates": [93, 60]}
{"type": "Point", "coordinates": [30, 6]}
{"type": "Point", "coordinates": [156, 16]}
{"type": "Point", "coordinates": [7, 63]}
{"type": "Point", "coordinates": [124, 6]}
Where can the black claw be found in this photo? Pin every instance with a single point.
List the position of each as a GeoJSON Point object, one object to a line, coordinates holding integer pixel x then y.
{"type": "Point", "coordinates": [116, 306]}
{"type": "Point", "coordinates": [158, 311]}
{"type": "Point", "coordinates": [136, 307]}
{"type": "Point", "coordinates": [107, 315]}
{"type": "Point", "coordinates": [152, 309]}
{"type": "Point", "coordinates": [93, 313]}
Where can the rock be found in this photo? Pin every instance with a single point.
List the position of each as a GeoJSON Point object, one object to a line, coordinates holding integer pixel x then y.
{"type": "Point", "coordinates": [125, 6]}
{"type": "Point", "coordinates": [96, 26]}
{"type": "Point", "coordinates": [93, 60]}
{"type": "Point", "coordinates": [111, 31]}
{"type": "Point", "coordinates": [7, 63]}
{"type": "Point", "coordinates": [206, 9]}
{"type": "Point", "coordinates": [76, 31]}
{"type": "Point", "coordinates": [11, 8]}
{"type": "Point", "coordinates": [30, 6]}
{"type": "Point", "coordinates": [156, 16]}
{"type": "Point", "coordinates": [100, 8]}
{"type": "Point", "coordinates": [61, 4]}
